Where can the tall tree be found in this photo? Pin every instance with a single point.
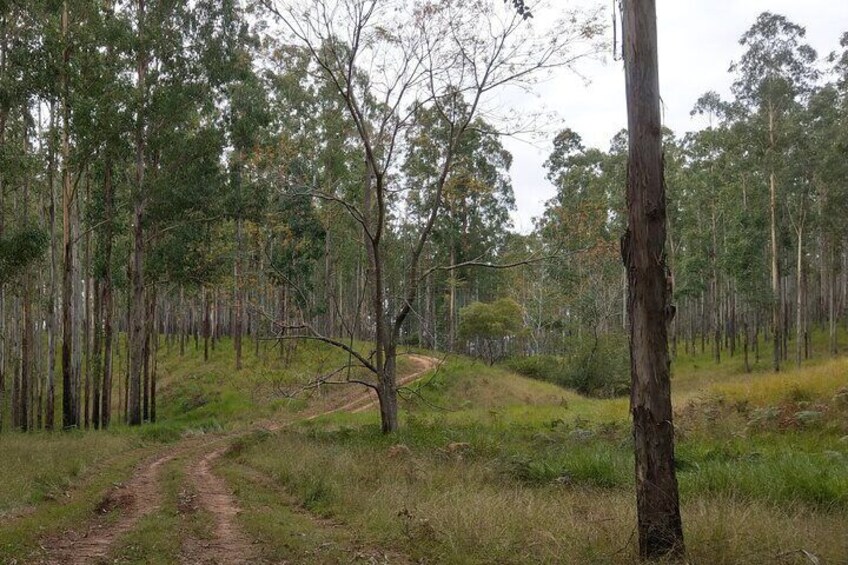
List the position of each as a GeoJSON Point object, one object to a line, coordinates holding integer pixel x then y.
{"type": "Point", "coordinates": [137, 326]}
{"type": "Point", "coordinates": [643, 249]}
{"type": "Point", "coordinates": [775, 70]}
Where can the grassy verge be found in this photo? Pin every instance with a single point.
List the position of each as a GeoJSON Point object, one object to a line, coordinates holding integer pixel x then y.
{"type": "Point", "coordinates": [513, 470]}
{"type": "Point", "coordinates": [489, 466]}
{"type": "Point", "coordinates": [75, 503]}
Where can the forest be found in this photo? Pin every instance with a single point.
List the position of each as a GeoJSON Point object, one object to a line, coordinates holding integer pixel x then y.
{"type": "Point", "coordinates": [262, 299]}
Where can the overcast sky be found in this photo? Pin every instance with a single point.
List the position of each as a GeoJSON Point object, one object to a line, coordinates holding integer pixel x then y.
{"type": "Point", "coordinates": [698, 39]}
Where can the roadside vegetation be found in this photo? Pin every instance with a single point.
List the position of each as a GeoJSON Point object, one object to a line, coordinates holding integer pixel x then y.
{"type": "Point", "coordinates": [514, 471]}
{"type": "Point", "coordinates": [489, 465]}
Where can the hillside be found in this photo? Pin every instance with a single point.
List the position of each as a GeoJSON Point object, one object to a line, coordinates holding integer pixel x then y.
{"type": "Point", "coordinates": [489, 466]}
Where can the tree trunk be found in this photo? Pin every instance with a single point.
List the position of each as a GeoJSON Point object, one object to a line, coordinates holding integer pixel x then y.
{"type": "Point", "coordinates": [384, 354]}
{"type": "Point", "coordinates": [745, 343]}
{"type": "Point", "coordinates": [831, 304]}
{"type": "Point", "coordinates": [69, 412]}
{"type": "Point", "coordinates": [643, 249]}
{"type": "Point", "coordinates": [106, 411]}
{"type": "Point", "coordinates": [237, 298]}
{"type": "Point", "coordinates": [87, 325]}
{"type": "Point", "coordinates": [775, 266]}
{"type": "Point", "coordinates": [387, 394]}
{"type": "Point", "coordinates": [715, 320]}
{"type": "Point", "coordinates": [800, 335]}
{"type": "Point", "coordinates": [137, 310]}
{"type": "Point", "coordinates": [153, 338]}
{"type": "Point", "coordinates": [50, 408]}
{"type": "Point", "coordinates": [26, 310]}
{"type": "Point", "coordinates": [145, 380]}
{"type": "Point", "coordinates": [181, 321]}
{"type": "Point", "coordinates": [96, 359]}
{"type": "Point", "coordinates": [206, 324]}
{"type": "Point", "coordinates": [136, 348]}
{"type": "Point", "coordinates": [452, 303]}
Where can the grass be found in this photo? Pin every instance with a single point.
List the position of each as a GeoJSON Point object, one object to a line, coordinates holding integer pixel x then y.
{"type": "Point", "coordinates": [545, 475]}
{"type": "Point", "coordinates": [489, 466]}
{"type": "Point", "coordinates": [475, 508]}
{"type": "Point", "coordinates": [75, 502]}
{"type": "Point", "coordinates": [159, 537]}
{"type": "Point", "coordinates": [40, 467]}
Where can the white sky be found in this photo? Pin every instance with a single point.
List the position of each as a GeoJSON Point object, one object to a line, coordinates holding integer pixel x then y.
{"type": "Point", "coordinates": [698, 39]}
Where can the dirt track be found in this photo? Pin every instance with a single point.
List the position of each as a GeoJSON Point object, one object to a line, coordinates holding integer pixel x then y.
{"type": "Point", "coordinates": [142, 495]}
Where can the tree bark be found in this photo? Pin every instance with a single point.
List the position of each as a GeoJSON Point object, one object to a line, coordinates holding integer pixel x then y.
{"type": "Point", "coordinates": [800, 334]}
{"type": "Point", "coordinates": [69, 412]}
{"type": "Point", "coordinates": [145, 379]}
{"type": "Point", "coordinates": [775, 265]}
{"type": "Point", "coordinates": [87, 325]}
{"type": "Point", "coordinates": [137, 309]}
{"type": "Point", "coordinates": [50, 410]}
{"type": "Point", "coordinates": [26, 310]}
{"type": "Point", "coordinates": [108, 205]}
{"type": "Point", "coordinates": [96, 357]}
{"type": "Point", "coordinates": [643, 249]}
{"type": "Point", "coordinates": [153, 340]}
{"type": "Point", "coordinates": [832, 315]}
{"type": "Point", "coordinates": [206, 324]}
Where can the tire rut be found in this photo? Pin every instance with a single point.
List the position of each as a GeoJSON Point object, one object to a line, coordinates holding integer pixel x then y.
{"type": "Point", "coordinates": [137, 497]}
{"type": "Point", "coordinates": [229, 544]}
{"type": "Point", "coordinates": [142, 495]}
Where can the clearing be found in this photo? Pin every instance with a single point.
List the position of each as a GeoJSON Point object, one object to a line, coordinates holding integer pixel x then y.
{"type": "Point", "coordinates": [489, 466]}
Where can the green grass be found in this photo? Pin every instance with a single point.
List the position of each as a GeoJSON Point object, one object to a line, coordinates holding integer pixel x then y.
{"type": "Point", "coordinates": [495, 467]}
{"type": "Point", "coordinates": [501, 500]}
{"type": "Point", "coordinates": [547, 475]}
{"type": "Point", "coordinates": [76, 492]}
{"type": "Point", "coordinates": [159, 536]}
{"type": "Point", "coordinates": [52, 481]}
{"type": "Point", "coordinates": [39, 467]}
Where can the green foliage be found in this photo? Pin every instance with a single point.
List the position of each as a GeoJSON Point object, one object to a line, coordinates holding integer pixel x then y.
{"type": "Point", "coordinates": [20, 249]}
{"type": "Point", "coordinates": [299, 242]}
{"type": "Point", "coordinates": [490, 325]}
{"type": "Point", "coordinates": [498, 319]}
{"type": "Point", "coordinates": [599, 369]}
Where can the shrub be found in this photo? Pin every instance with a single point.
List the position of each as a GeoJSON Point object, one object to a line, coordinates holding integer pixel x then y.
{"type": "Point", "coordinates": [601, 370]}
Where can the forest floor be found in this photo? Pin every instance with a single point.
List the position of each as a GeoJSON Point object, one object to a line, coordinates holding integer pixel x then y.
{"type": "Point", "coordinates": [489, 467]}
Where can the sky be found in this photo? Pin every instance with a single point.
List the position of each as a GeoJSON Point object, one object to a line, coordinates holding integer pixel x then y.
{"type": "Point", "coordinates": [698, 40]}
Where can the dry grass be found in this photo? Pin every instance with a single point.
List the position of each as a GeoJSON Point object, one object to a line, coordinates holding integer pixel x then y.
{"type": "Point", "coordinates": [819, 381]}
{"type": "Point", "coordinates": [451, 509]}
{"type": "Point", "coordinates": [548, 475]}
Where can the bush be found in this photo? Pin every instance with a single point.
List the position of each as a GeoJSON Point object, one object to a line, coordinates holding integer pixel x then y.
{"type": "Point", "coordinates": [601, 370]}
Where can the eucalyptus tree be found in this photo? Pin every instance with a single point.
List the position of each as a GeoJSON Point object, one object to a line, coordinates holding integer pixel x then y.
{"type": "Point", "coordinates": [178, 142]}
{"type": "Point", "coordinates": [113, 121]}
{"type": "Point", "coordinates": [477, 199]}
{"type": "Point", "coordinates": [22, 240]}
{"type": "Point", "coordinates": [776, 69]}
{"type": "Point", "coordinates": [243, 98]}
{"type": "Point", "coordinates": [585, 215]}
{"type": "Point", "coordinates": [100, 123]}
{"type": "Point", "coordinates": [386, 61]}
{"type": "Point", "coordinates": [643, 250]}
{"type": "Point", "coordinates": [77, 71]}
{"type": "Point", "coordinates": [827, 116]}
